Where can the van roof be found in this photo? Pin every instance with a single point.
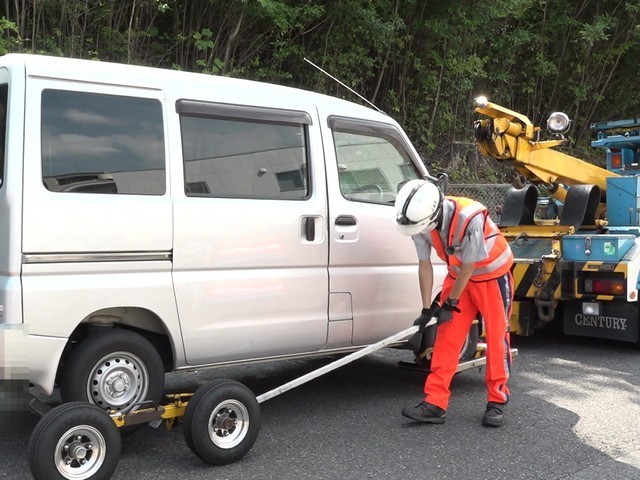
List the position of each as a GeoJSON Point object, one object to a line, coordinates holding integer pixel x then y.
{"type": "Point", "coordinates": [110, 73]}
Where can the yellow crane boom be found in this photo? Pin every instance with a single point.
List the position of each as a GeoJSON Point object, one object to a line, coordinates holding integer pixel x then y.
{"type": "Point", "coordinates": [510, 136]}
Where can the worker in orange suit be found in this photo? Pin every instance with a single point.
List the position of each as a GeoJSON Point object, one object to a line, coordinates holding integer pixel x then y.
{"type": "Point", "coordinates": [479, 261]}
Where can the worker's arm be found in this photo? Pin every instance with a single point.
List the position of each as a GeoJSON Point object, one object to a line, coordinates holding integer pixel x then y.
{"type": "Point", "coordinates": [466, 269]}
{"type": "Point", "coordinates": [446, 312]}
{"type": "Point", "coordinates": [425, 277]}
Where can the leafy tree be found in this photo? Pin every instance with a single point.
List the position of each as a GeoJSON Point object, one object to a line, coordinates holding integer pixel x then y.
{"type": "Point", "coordinates": [9, 40]}
{"type": "Point", "coordinates": [422, 62]}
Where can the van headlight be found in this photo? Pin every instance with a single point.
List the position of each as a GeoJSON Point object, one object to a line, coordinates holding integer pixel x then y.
{"type": "Point", "coordinates": [558, 122]}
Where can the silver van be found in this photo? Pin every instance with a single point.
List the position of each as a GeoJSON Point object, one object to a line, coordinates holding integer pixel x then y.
{"type": "Point", "coordinates": [153, 221]}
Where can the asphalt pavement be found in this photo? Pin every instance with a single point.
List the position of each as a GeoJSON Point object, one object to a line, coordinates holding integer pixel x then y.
{"type": "Point", "coordinates": [574, 414]}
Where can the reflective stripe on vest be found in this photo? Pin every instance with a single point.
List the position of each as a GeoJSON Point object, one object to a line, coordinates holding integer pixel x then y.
{"type": "Point", "coordinates": [500, 258]}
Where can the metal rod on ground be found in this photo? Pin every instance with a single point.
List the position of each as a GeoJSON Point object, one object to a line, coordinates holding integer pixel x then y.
{"type": "Point", "coordinates": [341, 361]}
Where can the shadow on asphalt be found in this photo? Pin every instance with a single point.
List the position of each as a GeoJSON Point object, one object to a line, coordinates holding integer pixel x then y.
{"type": "Point", "coordinates": [347, 424]}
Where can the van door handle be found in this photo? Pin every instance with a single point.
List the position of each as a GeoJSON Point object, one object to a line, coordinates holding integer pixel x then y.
{"type": "Point", "coordinates": [345, 221]}
{"type": "Point", "coordinates": [310, 229]}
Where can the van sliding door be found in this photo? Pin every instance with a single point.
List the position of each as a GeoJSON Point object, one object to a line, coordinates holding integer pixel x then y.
{"type": "Point", "coordinates": [250, 249]}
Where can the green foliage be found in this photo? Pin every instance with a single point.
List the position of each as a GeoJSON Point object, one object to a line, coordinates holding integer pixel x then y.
{"type": "Point", "coordinates": [9, 40]}
{"type": "Point", "coordinates": [423, 62]}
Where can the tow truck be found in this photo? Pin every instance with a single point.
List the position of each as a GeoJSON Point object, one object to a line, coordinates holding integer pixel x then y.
{"type": "Point", "coordinates": [582, 269]}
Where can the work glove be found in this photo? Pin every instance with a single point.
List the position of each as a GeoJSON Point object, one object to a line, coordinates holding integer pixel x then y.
{"type": "Point", "coordinates": [446, 312]}
{"type": "Point", "coordinates": [416, 341]}
{"type": "Point", "coordinates": [426, 315]}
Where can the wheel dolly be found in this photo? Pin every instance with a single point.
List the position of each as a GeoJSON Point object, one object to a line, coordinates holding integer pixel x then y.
{"type": "Point", "coordinates": [221, 421]}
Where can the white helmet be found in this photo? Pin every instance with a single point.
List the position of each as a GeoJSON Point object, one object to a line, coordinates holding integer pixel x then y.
{"type": "Point", "coordinates": [418, 206]}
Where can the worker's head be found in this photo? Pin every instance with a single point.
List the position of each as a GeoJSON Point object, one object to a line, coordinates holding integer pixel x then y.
{"type": "Point", "coordinates": [418, 207]}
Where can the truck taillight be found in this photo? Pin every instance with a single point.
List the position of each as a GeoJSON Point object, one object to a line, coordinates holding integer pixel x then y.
{"type": "Point", "coordinates": [616, 158]}
{"type": "Point", "coordinates": [604, 286]}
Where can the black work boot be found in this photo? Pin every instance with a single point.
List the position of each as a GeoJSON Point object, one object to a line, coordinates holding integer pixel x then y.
{"type": "Point", "coordinates": [494, 414]}
{"type": "Point", "coordinates": [425, 412]}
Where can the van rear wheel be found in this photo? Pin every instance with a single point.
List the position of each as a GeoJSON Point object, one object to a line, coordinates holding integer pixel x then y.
{"type": "Point", "coordinates": [113, 369]}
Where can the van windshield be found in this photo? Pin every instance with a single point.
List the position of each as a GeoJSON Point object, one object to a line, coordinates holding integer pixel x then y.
{"type": "Point", "coordinates": [4, 89]}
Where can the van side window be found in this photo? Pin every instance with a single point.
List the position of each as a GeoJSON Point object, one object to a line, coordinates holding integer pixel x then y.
{"type": "Point", "coordinates": [371, 167]}
{"type": "Point", "coordinates": [4, 90]}
{"type": "Point", "coordinates": [94, 143]}
{"type": "Point", "coordinates": [244, 158]}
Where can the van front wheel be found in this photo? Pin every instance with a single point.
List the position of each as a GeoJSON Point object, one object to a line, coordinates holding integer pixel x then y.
{"type": "Point", "coordinates": [113, 369]}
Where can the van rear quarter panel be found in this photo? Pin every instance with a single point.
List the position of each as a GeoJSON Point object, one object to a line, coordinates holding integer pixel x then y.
{"type": "Point", "coordinates": [66, 235]}
{"type": "Point", "coordinates": [11, 198]}
{"type": "Point", "coordinates": [61, 222]}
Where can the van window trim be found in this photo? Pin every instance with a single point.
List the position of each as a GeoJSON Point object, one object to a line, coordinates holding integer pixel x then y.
{"type": "Point", "coordinates": [280, 116]}
{"type": "Point", "coordinates": [361, 126]}
{"type": "Point", "coordinates": [366, 127]}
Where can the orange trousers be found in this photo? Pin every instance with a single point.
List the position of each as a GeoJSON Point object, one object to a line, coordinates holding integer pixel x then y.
{"type": "Point", "coordinates": [492, 298]}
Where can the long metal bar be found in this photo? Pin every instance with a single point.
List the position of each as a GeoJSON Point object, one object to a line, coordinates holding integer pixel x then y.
{"type": "Point", "coordinates": [341, 362]}
{"type": "Point", "coordinates": [478, 362]}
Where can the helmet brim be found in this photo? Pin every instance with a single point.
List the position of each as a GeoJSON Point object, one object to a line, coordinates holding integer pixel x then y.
{"type": "Point", "coordinates": [414, 229]}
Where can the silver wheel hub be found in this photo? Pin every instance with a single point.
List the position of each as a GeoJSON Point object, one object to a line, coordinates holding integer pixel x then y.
{"type": "Point", "coordinates": [118, 385]}
{"type": "Point", "coordinates": [118, 381]}
{"type": "Point", "coordinates": [80, 452]}
{"type": "Point", "coordinates": [228, 424]}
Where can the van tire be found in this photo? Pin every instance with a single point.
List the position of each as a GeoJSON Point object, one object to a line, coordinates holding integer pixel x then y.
{"type": "Point", "coordinates": [113, 369]}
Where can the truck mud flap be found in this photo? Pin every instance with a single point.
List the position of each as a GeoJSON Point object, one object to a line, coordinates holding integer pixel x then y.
{"type": "Point", "coordinates": [519, 206]}
{"type": "Point", "coordinates": [580, 206]}
{"type": "Point", "coordinates": [616, 321]}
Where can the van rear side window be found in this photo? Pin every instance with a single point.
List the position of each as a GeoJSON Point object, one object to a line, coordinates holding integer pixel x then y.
{"type": "Point", "coordinates": [4, 90]}
{"type": "Point", "coordinates": [244, 158]}
{"type": "Point", "coordinates": [95, 143]}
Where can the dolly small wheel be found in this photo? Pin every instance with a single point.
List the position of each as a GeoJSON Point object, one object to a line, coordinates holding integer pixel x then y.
{"type": "Point", "coordinates": [74, 441]}
{"type": "Point", "coordinates": [221, 422]}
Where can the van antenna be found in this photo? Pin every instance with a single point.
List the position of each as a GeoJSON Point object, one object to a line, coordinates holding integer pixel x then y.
{"type": "Point", "coordinates": [341, 83]}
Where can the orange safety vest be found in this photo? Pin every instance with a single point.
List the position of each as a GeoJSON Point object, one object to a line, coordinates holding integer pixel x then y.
{"type": "Point", "coordinates": [500, 258]}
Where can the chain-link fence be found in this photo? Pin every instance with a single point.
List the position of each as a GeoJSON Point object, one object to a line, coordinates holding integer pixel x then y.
{"type": "Point", "coordinates": [490, 195]}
